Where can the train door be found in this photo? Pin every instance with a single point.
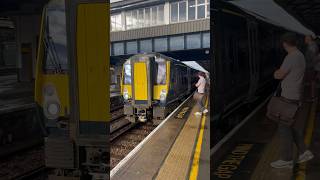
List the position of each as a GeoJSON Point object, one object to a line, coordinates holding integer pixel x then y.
{"type": "Point", "coordinates": [142, 78]}
{"type": "Point", "coordinates": [142, 88]}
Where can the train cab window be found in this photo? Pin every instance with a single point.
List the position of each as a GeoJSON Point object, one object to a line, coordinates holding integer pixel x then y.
{"type": "Point", "coordinates": [161, 71]}
{"type": "Point", "coordinates": [127, 74]}
{"type": "Point", "coordinates": [113, 79]}
{"type": "Point", "coordinates": [55, 37]}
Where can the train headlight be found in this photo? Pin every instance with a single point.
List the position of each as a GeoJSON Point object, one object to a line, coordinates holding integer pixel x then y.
{"type": "Point", "coordinates": [125, 94]}
{"type": "Point", "coordinates": [53, 109]}
{"type": "Point", "coordinates": [51, 102]}
{"type": "Point", "coordinates": [163, 96]}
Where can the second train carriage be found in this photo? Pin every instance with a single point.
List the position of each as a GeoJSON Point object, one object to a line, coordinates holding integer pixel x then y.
{"type": "Point", "coordinates": [244, 62]}
{"type": "Point", "coordinates": [151, 83]}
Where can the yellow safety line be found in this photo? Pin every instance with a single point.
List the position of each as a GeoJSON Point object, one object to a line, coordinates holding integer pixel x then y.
{"type": "Point", "coordinates": [196, 157]}
{"type": "Point", "coordinates": [301, 174]}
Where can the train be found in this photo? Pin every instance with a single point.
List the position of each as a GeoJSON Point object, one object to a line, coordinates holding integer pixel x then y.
{"type": "Point", "coordinates": [71, 88]}
{"type": "Point", "coordinates": [151, 83]}
{"type": "Point", "coordinates": [243, 61]}
{"type": "Point", "coordinates": [247, 52]}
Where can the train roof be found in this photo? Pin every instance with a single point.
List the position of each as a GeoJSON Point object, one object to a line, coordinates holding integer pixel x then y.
{"type": "Point", "coordinates": [271, 12]}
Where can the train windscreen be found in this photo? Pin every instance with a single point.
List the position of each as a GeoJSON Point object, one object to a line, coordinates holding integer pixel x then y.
{"type": "Point", "coordinates": [55, 37]}
{"type": "Point", "coordinates": [161, 71]}
{"type": "Point", "coordinates": [127, 73]}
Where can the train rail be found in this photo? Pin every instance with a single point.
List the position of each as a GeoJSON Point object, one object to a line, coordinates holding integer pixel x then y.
{"type": "Point", "coordinates": [118, 123]}
{"type": "Point", "coordinates": [8, 70]}
{"type": "Point", "coordinates": [116, 108]}
{"type": "Point", "coordinates": [19, 131]}
{"type": "Point", "coordinates": [130, 135]}
{"type": "Point", "coordinates": [35, 174]}
{"type": "Point", "coordinates": [24, 165]}
{"type": "Point", "coordinates": [121, 146]}
{"type": "Point", "coordinates": [222, 127]}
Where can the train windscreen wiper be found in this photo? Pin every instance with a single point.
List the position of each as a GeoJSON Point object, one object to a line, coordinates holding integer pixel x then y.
{"type": "Point", "coordinates": [50, 47]}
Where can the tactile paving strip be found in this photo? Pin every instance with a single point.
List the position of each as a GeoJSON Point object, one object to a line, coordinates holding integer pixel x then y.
{"type": "Point", "coordinates": [177, 163]}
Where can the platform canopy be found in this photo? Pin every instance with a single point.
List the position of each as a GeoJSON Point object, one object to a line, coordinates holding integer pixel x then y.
{"type": "Point", "coordinates": [113, 1]}
{"type": "Point", "coordinates": [195, 65]}
{"type": "Point", "coordinates": [307, 11]}
{"type": "Point", "coordinates": [271, 12]}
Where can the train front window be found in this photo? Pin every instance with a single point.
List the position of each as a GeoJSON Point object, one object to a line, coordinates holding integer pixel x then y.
{"type": "Point", "coordinates": [127, 74]}
{"type": "Point", "coordinates": [161, 71]}
{"type": "Point", "coordinates": [55, 37]}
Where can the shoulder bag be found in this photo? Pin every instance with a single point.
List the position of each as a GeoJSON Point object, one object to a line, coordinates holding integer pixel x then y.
{"type": "Point", "coordinates": [282, 110]}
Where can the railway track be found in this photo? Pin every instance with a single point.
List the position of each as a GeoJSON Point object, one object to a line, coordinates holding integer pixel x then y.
{"type": "Point", "coordinates": [116, 108]}
{"type": "Point", "coordinates": [122, 145]}
{"type": "Point", "coordinates": [19, 131]}
{"type": "Point", "coordinates": [24, 165]}
{"type": "Point", "coordinates": [126, 138]}
{"type": "Point", "coordinates": [35, 174]}
{"type": "Point", "coordinates": [118, 123]}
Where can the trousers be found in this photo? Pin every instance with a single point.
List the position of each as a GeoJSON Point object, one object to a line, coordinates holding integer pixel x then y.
{"type": "Point", "coordinates": [200, 102]}
{"type": "Point", "coordinates": [290, 135]}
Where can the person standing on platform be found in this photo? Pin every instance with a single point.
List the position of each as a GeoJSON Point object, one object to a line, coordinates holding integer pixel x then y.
{"type": "Point", "coordinates": [311, 54]}
{"type": "Point", "coordinates": [200, 94]}
{"type": "Point", "coordinates": [291, 74]}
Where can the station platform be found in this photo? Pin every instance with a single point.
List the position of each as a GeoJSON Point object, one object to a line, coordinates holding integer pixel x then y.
{"type": "Point", "coordinates": [247, 152]}
{"type": "Point", "coordinates": [14, 95]}
{"type": "Point", "coordinates": [177, 149]}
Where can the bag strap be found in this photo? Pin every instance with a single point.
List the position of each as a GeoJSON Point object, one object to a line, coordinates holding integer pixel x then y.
{"type": "Point", "coordinates": [277, 92]}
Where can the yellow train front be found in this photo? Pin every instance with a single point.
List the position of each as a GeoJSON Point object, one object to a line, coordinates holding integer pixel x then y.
{"type": "Point", "coordinates": [152, 83]}
{"type": "Point", "coordinates": [71, 88]}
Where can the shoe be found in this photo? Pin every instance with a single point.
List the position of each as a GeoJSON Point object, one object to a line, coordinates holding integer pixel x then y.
{"type": "Point", "coordinates": [306, 156]}
{"type": "Point", "coordinates": [205, 111]}
{"type": "Point", "coordinates": [282, 164]}
{"type": "Point", "coordinates": [198, 113]}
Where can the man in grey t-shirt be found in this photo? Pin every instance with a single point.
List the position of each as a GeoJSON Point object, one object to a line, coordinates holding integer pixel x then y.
{"type": "Point", "coordinates": [291, 73]}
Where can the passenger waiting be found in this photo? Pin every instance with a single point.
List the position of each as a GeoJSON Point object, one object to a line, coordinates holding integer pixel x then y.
{"type": "Point", "coordinates": [199, 95]}
{"type": "Point", "coordinates": [311, 54]}
{"type": "Point", "coordinates": [291, 74]}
